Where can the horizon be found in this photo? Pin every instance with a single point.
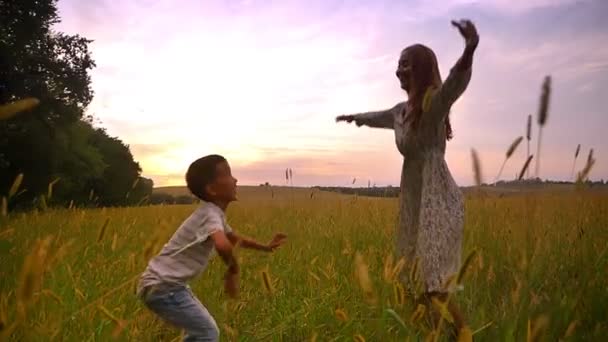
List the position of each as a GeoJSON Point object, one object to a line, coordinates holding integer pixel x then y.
{"type": "Point", "coordinates": [268, 79]}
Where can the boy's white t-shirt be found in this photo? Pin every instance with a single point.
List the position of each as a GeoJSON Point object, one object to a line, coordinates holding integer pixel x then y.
{"type": "Point", "coordinates": [188, 251]}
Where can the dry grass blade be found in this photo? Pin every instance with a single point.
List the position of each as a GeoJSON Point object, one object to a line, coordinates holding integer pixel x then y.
{"type": "Point", "coordinates": [571, 327]}
{"type": "Point", "coordinates": [267, 282]}
{"type": "Point", "coordinates": [578, 150]}
{"type": "Point", "coordinates": [59, 254]}
{"type": "Point", "coordinates": [3, 313]}
{"type": "Point", "coordinates": [513, 146]}
{"type": "Point", "coordinates": [465, 266]}
{"type": "Point", "coordinates": [399, 294]}
{"type": "Point", "coordinates": [418, 313]}
{"type": "Point", "coordinates": [362, 275]}
{"type": "Point", "coordinates": [584, 173]}
{"type": "Point", "coordinates": [525, 167]}
{"type": "Point", "coordinates": [358, 338]}
{"type": "Point", "coordinates": [49, 192]}
{"type": "Point", "coordinates": [396, 317]}
{"type": "Point", "coordinates": [52, 295]}
{"type": "Point", "coordinates": [509, 153]}
{"type": "Point", "coordinates": [433, 336]}
{"type": "Point", "coordinates": [231, 332]}
{"type": "Point", "coordinates": [388, 268]}
{"type": "Point", "coordinates": [528, 138]}
{"type": "Point", "coordinates": [465, 335]}
{"type": "Point", "coordinates": [42, 205]}
{"type": "Point", "coordinates": [543, 112]}
{"type": "Point", "coordinates": [102, 231]}
{"type": "Point", "coordinates": [9, 110]}
{"type": "Point", "coordinates": [120, 324]}
{"type": "Point", "coordinates": [341, 315]}
{"type": "Point", "coordinates": [442, 308]}
{"type": "Point", "coordinates": [15, 187]}
{"type": "Point", "coordinates": [483, 327]}
{"type": "Point", "coordinates": [398, 268]}
{"type": "Point", "coordinates": [114, 242]}
{"type": "Point", "coordinates": [31, 275]}
{"type": "Point", "coordinates": [4, 207]}
{"type": "Point", "coordinates": [529, 128]}
{"type": "Point", "coordinates": [543, 108]}
{"type": "Point", "coordinates": [537, 328]}
{"type": "Point", "coordinates": [413, 276]}
{"type": "Point", "coordinates": [132, 187]}
{"type": "Point", "coordinates": [476, 168]}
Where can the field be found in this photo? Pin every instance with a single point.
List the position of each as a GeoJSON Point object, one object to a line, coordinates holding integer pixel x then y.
{"type": "Point", "coordinates": [539, 272]}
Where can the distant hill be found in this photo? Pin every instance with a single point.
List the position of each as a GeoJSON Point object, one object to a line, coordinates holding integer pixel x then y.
{"type": "Point", "coordinates": [181, 194]}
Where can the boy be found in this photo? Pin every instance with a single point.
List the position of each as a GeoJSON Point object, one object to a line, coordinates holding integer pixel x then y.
{"type": "Point", "coordinates": [163, 287]}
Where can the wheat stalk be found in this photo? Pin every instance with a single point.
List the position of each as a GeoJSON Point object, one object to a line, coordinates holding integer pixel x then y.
{"type": "Point", "coordinates": [584, 173]}
{"type": "Point", "coordinates": [537, 328]}
{"type": "Point", "coordinates": [16, 184]}
{"type": "Point", "coordinates": [102, 230]}
{"type": "Point", "coordinates": [49, 192]}
{"type": "Point", "coordinates": [508, 155]}
{"type": "Point", "coordinates": [9, 110]}
{"type": "Point", "coordinates": [525, 167]}
{"type": "Point", "coordinates": [362, 275]}
{"type": "Point", "coordinates": [543, 112]}
{"type": "Point", "coordinates": [528, 138]}
{"type": "Point", "coordinates": [267, 282]}
{"type": "Point", "coordinates": [476, 168]}
{"type": "Point", "coordinates": [4, 207]}
{"type": "Point", "coordinates": [358, 338]}
{"type": "Point", "coordinates": [33, 269]}
{"type": "Point", "coordinates": [578, 149]}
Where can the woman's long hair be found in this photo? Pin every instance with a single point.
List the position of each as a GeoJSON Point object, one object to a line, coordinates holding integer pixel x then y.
{"type": "Point", "coordinates": [426, 75]}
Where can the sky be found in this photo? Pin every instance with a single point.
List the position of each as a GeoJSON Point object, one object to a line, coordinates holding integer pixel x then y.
{"type": "Point", "coordinates": [261, 81]}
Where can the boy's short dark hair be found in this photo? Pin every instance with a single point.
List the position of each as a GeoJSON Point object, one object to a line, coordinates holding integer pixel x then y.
{"type": "Point", "coordinates": [202, 172]}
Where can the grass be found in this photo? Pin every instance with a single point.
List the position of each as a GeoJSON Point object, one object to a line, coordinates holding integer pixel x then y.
{"type": "Point", "coordinates": [540, 272]}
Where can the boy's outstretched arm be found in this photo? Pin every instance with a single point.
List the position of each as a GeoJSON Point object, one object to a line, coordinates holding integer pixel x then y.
{"type": "Point", "coordinates": [249, 243]}
{"type": "Point", "coordinates": [224, 248]}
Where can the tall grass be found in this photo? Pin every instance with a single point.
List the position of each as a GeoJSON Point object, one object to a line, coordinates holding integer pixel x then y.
{"type": "Point", "coordinates": [538, 255]}
{"type": "Point", "coordinates": [528, 138]}
{"type": "Point", "coordinates": [508, 155]}
{"type": "Point", "coordinates": [543, 112]}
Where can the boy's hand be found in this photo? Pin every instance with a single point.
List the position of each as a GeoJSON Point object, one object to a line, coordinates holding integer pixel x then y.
{"type": "Point", "coordinates": [231, 284]}
{"type": "Point", "coordinates": [277, 241]}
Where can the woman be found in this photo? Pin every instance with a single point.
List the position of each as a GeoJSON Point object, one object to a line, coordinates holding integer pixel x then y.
{"type": "Point", "coordinates": [431, 212]}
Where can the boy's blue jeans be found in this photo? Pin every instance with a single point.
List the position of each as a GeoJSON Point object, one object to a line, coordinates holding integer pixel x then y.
{"type": "Point", "coordinates": [179, 307]}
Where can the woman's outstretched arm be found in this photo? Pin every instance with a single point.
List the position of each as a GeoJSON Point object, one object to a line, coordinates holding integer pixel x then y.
{"type": "Point", "coordinates": [379, 119]}
{"type": "Point", "coordinates": [460, 74]}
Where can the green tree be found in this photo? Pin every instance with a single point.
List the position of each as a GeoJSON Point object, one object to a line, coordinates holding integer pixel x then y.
{"type": "Point", "coordinates": [121, 173]}
{"type": "Point", "coordinates": [54, 140]}
{"type": "Point", "coordinates": [51, 66]}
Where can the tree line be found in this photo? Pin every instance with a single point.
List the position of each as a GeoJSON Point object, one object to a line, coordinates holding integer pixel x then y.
{"type": "Point", "coordinates": [56, 142]}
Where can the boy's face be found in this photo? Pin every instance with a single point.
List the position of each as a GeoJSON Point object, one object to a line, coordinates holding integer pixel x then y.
{"type": "Point", "coordinates": [223, 188]}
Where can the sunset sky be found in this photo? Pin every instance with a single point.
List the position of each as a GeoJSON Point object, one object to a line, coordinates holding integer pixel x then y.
{"type": "Point", "coordinates": [261, 82]}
